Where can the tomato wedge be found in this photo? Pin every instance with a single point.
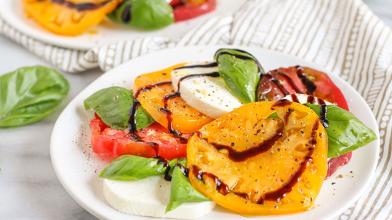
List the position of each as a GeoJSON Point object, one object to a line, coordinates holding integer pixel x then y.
{"type": "Point", "coordinates": [283, 81]}
{"type": "Point", "coordinates": [109, 143]}
{"type": "Point", "coordinates": [192, 8]}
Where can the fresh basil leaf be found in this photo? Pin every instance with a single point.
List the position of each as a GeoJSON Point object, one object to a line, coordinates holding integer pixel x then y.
{"type": "Point", "coordinates": [143, 119]}
{"type": "Point", "coordinates": [241, 72]}
{"type": "Point", "coordinates": [345, 132]}
{"type": "Point", "coordinates": [181, 191]}
{"type": "Point", "coordinates": [274, 115]}
{"type": "Point", "coordinates": [144, 14]}
{"type": "Point", "coordinates": [131, 167]}
{"type": "Point", "coordinates": [30, 94]}
{"type": "Point", "coordinates": [113, 105]}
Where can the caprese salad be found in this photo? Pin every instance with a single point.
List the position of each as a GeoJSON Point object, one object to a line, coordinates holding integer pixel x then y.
{"type": "Point", "coordinates": [75, 17]}
{"type": "Point", "coordinates": [222, 132]}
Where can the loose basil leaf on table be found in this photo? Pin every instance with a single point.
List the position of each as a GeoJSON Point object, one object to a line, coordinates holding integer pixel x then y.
{"type": "Point", "coordinates": [131, 167]}
{"type": "Point", "coordinates": [144, 14]}
{"type": "Point", "coordinates": [181, 191]}
{"type": "Point", "coordinates": [345, 132]}
{"type": "Point", "coordinates": [30, 94]}
{"type": "Point", "coordinates": [241, 72]}
{"type": "Point", "coordinates": [113, 105]}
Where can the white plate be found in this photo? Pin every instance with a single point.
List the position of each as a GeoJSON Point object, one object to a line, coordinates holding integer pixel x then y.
{"type": "Point", "coordinates": [77, 167]}
{"type": "Point", "coordinates": [11, 11]}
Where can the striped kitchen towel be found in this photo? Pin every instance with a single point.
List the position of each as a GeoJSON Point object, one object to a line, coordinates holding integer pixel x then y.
{"type": "Point", "coordinates": [342, 36]}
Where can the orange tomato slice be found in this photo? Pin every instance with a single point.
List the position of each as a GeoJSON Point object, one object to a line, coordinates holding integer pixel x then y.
{"type": "Point", "coordinates": [260, 159]}
{"type": "Point", "coordinates": [185, 119]}
{"type": "Point", "coordinates": [69, 17]}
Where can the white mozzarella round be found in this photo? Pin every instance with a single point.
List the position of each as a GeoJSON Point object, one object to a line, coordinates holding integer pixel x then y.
{"type": "Point", "coordinates": [149, 197]}
{"type": "Point", "coordinates": [206, 94]}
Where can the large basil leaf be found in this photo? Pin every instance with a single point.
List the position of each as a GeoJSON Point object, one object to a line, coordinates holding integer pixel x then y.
{"type": "Point", "coordinates": [144, 14]}
{"type": "Point", "coordinates": [30, 94]}
{"type": "Point", "coordinates": [113, 105]}
{"type": "Point", "coordinates": [241, 72]}
{"type": "Point", "coordinates": [181, 191]}
{"type": "Point", "coordinates": [345, 132]}
{"type": "Point", "coordinates": [131, 167]}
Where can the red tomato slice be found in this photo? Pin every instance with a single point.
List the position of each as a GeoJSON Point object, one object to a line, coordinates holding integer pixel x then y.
{"type": "Point", "coordinates": [284, 81]}
{"type": "Point", "coordinates": [109, 143]}
{"type": "Point", "coordinates": [192, 9]}
{"type": "Point", "coordinates": [169, 146]}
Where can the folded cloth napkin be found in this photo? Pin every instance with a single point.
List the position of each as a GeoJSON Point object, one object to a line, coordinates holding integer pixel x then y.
{"type": "Point", "coordinates": [342, 36]}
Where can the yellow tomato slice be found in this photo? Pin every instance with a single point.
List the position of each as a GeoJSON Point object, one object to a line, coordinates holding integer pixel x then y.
{"type": "Point", "coordinates": [185, 119]}
{"type": "Point", "coordinates": [69, 17]}
{"type": "Point", "coordinates": [263, 158]}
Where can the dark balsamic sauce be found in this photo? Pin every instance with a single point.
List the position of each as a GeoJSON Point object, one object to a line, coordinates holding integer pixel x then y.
{"type": "Point", "coordinates": [280, 193]}
{"type": "Point", "coordinates": [167, 176]}
{"type": "Point", "coordinates": [169, 116]}
{"type": "Point", "coordinates": [242, 57]}
{"type": "Point", "coordinates": [126, 15]}
{"type": "Point", "coordinates": [294, 98]}
{"type": "Point", "coordinates": [323, 112]}
{"type": "Point", "coordinates": [290, 81]}
{"type": "Point", "coordinates": [310, 99]}
{"type": "Point", "coordinates": [239, 156]}
{"type": "Point", "coordinates": [276, 82]}
{"type": "Point", "coordinates": [212, 74]}
{"type": "Point", "coordinates": [214, 64]}
{"type": "Point", "coordinates": [149, 87]}
{"type": "Point", "coordinates": [81, 6]}
{"type": "Point", "coordinates": [310, 86]}
{"type": "Point", "coordinates": [281, 103]}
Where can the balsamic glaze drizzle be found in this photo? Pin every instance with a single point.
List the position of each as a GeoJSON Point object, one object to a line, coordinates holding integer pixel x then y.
{"type": "Point", "coordinates": [239, 156]}
{"type": "Point", "coordinates": [275, 195]}
{"type": "Point", "coordinates": [81, 6]}
{"type": "Point", "coordinates": [167, 176]}
{"type": "Point", "coordinates": [213, 64]}
{"type": "Point", "coordinates": [212, 74]}
{"type": "Point", "coordinates": [290, 81]}
{"type": "Point", "coordinates": [309, 84]}
{"type": "Point", "coordinates": [282, 191]}
{"type": "Point", "coordinates": [242, 57]}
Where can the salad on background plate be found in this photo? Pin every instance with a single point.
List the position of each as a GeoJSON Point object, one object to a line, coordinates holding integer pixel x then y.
{"type": "Point", "coordinates": [75, 17]}
{"type": "Point", "coordinates": [222, 132]}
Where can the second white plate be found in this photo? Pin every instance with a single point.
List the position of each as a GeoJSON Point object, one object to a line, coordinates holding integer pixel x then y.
{"type": "Point", "coordinates": [11, 11]}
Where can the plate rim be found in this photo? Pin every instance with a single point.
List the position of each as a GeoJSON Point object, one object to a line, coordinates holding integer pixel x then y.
{"type": "Point", "coordinates": [337, 211]}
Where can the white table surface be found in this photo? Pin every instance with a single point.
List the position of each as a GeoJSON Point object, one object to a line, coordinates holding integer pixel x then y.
{"type": "Point", "coordinates": [29, 188]}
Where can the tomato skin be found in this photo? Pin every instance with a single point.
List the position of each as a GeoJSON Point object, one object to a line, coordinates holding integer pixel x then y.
{"type": "Point", "coordinates": [169, 147]}
{"type": "Point", "coordinates": [109, 143]}
{"type": "Point", "coordinates": [192, 9]}
{"type": "Point", "coordinates": [290, 82]}
{"type": "Point", "coordinates": [326, 89]}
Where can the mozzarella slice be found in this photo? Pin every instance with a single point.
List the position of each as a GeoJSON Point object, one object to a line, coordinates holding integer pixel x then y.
{"type": "Point", "coordinates": [303, 99]}
{"type": "Point", "coordinates": [206, 94]}
{"type": "Point", "coordinates": [149, 197]}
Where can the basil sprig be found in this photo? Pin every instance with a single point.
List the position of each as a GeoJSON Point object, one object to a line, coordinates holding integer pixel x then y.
{"type": "Point", "coordinates": [144, 14]}
{"type": "Point", "coordinates": [30, 94]}
{"type": "Point", "coordinates": [345, 132]}
{"type": "Point", "coordinates": [240, 71]}
{"type": "Point", "coordinates": [129, 168]}
{"type": "Point", "coordinates": [113, 106]}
